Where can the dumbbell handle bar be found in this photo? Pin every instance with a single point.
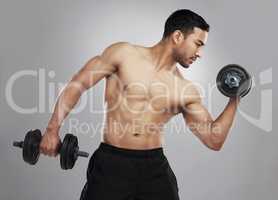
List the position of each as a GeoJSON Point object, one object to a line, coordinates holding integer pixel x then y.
{"type": "Point", "coordinates": [78, 153]}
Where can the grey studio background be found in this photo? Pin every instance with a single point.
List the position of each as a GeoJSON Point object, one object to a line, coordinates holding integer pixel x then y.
{"type": "Point", "coordinates": [53, 39]}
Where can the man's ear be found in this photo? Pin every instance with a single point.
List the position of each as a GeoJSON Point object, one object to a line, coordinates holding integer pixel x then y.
{"type": "Point", "coordinates": [177, 37]}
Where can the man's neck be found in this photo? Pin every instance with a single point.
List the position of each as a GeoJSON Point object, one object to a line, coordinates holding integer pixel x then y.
{"type": "Point", "coordinates": [162, 56]}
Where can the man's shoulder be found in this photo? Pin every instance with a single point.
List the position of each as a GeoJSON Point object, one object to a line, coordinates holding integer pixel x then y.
{"type": "Point", "coordinates": [189, 89]}
{"type": "Point", "coordinates": [120, 47]}
{"type": "Point", "coordinates": [184, 81]}
{"type": "Point", "coordinates": [116, 52]}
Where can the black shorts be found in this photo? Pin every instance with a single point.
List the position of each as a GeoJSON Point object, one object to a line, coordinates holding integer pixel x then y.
{"type": "Point", "coordinates": [125, 174]}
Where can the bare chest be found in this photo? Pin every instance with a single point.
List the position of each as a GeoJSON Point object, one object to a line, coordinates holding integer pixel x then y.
{"type": "Point", "coordinates": [141, 83]}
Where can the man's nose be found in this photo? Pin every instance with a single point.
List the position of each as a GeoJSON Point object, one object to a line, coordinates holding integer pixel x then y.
{"type": "Point", "coordinates": [199, 53]}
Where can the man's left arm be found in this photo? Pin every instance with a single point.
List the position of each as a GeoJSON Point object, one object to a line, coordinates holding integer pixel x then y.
{"type": "Point", "coordinates": [212, 133]}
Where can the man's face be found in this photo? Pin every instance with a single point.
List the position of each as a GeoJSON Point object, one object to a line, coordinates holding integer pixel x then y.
{"type": "Point", "coordinates": [188, 49]}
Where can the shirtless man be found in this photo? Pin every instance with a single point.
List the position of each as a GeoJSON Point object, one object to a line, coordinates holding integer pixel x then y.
{"type": "Point", "coordinates": [144, 90]}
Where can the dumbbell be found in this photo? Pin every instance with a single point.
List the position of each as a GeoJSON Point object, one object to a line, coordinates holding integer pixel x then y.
{"type": "Point", "coordinates": [233, 81]}
{"type": "Point", "coordinates": [69, 149]}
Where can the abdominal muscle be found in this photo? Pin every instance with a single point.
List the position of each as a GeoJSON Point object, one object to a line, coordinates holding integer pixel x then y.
{"type": "Point", "coordinates": [133, 131]}
{"type": "Point", "coordinates": [135, 116]}
{"type": "Point", "coordinates": [133, 141]}
{"type": "Point", "coordinates": [130, 136]}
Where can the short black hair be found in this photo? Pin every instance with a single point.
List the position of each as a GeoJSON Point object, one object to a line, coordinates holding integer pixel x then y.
{"type": "Point", "coordinates": [184, 20]}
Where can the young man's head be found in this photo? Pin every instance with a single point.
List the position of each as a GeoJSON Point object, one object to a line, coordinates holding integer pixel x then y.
{"type": "Point", "coordinates": [188, 32]}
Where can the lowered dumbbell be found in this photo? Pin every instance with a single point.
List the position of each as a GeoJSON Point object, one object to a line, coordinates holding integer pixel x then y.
{"type": "Point", "coordinates": [69, 149]}
{"type": "Point", "coordinates": [233, 81]}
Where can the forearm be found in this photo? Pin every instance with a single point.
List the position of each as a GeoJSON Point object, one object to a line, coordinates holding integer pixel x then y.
{"type": "Point", "coordinates": [220, 127]}
{"type": "Point", "coordinates": [65, 103]}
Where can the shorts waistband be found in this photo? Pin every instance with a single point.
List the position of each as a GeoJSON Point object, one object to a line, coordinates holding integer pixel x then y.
{"type": "Point", "coordinates": [155, 152]}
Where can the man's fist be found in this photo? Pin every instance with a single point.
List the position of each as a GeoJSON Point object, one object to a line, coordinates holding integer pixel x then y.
{"type": "Point", "coordinates": [50, 143]}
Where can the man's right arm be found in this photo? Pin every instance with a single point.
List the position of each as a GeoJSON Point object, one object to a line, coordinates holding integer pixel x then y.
{"type": "Point", "coordinates": [93, 71]}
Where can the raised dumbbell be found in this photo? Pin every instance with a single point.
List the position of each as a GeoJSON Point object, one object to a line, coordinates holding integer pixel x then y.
{"type": "Point", "coordinates": [69, 149]}
{"type": "Point", "coordinates": [233, 81]}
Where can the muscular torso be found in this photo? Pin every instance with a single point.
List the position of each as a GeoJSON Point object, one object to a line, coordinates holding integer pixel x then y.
{"type": "Point", "coordinates": [140, 100]}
